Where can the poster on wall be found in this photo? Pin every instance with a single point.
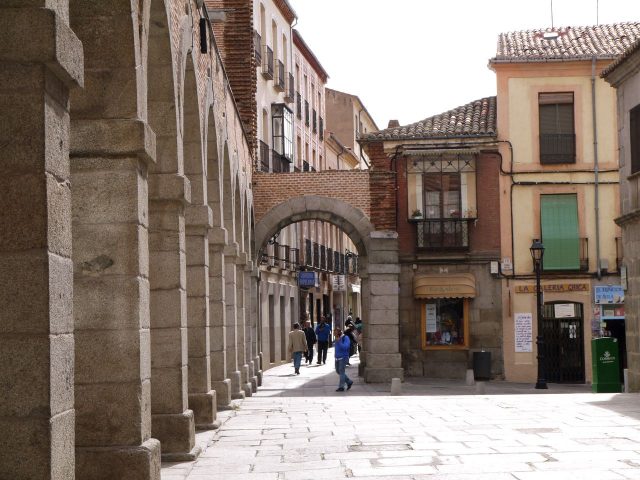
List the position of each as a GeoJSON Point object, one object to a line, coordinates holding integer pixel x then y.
{"type": "Point", "coordinates": [564, 310]}
{"type": "Point", "coordinates": [431, 318]}
{"type": "Point", "coordinates": [523, 332]}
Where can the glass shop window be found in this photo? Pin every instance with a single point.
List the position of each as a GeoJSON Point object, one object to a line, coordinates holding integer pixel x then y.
{"type": "Point", "coordinates": [445, 323]}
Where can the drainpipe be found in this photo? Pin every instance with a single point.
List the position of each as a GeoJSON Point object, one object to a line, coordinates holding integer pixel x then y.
{"type": "Point", "coordinates": [595, 165]}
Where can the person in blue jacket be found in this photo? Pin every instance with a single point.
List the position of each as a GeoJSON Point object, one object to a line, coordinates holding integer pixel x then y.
{"type": "Point", "coordinates": [323, 332]}
{"type": "Point", "coordinates": [342, 346]}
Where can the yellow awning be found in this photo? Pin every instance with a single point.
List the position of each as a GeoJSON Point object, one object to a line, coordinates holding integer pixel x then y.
{"type": "Point", "coordinates": [456, 285]}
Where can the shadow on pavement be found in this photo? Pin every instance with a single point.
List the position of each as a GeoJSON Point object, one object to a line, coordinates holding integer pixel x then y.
{"type": "Point", "coordinates": [322, 380]}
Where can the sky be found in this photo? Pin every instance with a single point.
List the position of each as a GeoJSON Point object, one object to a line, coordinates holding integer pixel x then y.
{"type": "Point", "coordinates": [411, 59]}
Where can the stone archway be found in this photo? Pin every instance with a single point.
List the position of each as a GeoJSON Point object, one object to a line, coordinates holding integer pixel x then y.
{"type": "Point", "coordinates": [380, 270]}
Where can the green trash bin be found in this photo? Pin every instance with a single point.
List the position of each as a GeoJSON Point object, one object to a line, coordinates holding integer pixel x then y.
{"type": "Point", "coordinates": [605, 361]}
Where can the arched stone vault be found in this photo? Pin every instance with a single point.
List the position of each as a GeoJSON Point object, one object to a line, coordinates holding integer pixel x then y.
{"type": "Point", "coordinates": [379, 270]}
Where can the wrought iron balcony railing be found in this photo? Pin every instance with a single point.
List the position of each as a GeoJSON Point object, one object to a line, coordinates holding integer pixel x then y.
{"type": "Point", "coordinates": [442, 233]}
{"type": "Point", "coordinates": [267, 62]}
{"type": "Point", "coordinates": [557, 148]}
{"type": "Point", "coordinates": [290, 91]}
{"type": "Point", "coordinates": [264, 156]}
{"type": "Point", "coordinates": [281, 164]}
{"type": "Point", "coordinates": [280, 79]}
{"type": "Point", "coordinates": [619, 253]}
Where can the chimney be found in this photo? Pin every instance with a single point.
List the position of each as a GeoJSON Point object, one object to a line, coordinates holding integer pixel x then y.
{"type": "Point", "coordinates": [393, 124]}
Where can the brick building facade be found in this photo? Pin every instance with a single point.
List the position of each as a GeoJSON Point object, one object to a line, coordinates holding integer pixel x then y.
{"type": "Point", "coordinates": [445, 171]}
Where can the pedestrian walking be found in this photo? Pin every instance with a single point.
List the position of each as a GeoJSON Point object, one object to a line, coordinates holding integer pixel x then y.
{"type": "Point", "coordinates": [297, 346]}
{"type": "Point", "coordinates": [342, 346]}
{"type": "Point", "coordinates": [350, 332]}
{"type": "Point", "coordinates": [323, 332]}
{"type": "Point", "coordinates": [311, 341]}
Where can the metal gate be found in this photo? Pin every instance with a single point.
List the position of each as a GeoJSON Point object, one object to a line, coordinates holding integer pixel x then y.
{"type": "Point", "coordinates": [563, 342]}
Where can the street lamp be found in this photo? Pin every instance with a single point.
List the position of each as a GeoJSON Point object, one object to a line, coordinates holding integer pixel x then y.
{"type": "Point", "coordinates": [537, 252]}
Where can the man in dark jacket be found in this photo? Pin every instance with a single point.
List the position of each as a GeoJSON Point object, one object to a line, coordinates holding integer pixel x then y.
{"type": "Point", "coordinates": [353, 344]}
{"type": "Point", "coordinates": [323, 332]}
{"type": "Point", "coordinates": [342, 347]}
{"type": "Point", "coordinates": [311, 341]}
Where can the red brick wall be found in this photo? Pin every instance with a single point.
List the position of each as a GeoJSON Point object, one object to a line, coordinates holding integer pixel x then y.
{"type": "Point", "coordinates": [350, 186]}
{"type": "Point", "coordinates": [234, 38]}
{"type": "Point", "coordinates": [383, 188]}
{"type": "Point", "coordinates": [484, 234]}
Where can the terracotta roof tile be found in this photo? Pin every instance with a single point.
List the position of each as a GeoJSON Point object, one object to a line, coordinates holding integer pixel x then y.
{"type": "Point", "coordinates": [475, 119]}
{"type": "Point", "coordinates": [620, 60]}
{"type": "Point", "coordinates": [573, 43]}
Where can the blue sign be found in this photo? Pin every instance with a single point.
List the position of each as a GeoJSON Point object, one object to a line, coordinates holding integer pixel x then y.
{"type": "Point", "coordinates": [609, 294]}
{"type": "Point", "coordinates": [307, 279]}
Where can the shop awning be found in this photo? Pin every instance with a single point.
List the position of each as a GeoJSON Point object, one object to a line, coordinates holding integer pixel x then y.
{"type": "Point", "coordinates": [456, 285]}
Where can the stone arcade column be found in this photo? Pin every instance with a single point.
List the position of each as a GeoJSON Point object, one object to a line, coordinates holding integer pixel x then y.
{"type": "Point", "coordinates": [381, 288]}
{"type": "Point", "coordinates": [40, 60]}
{"type": "Point", "coordinates": [220, 381]}
{"type": "Point", "coordinates": [243, 329]}
{"type": "Point", "coordinates": [111, 299]}
{"type": "Point", "coordinates": [251, 295]}
{"type": "Point", "coordinates": [231, 254]}
{"type": "Point", "coordinates": [172, 421]}
{"type": "Point", "coordinates": [202, 399]}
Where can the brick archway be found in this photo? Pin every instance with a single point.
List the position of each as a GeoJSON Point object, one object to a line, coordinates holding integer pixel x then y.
{"type": "Point", "coordinates": [378, 264]}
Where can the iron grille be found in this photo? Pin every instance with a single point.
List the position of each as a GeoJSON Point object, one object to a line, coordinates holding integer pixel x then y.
{"type": "Point", "coordinates": [264, 156]}
{"type": "Point", "coordinates": [316, 255]}
{"type": "Point", "coordinates": [443, 234]}
{"type": "Point", "coordinates": [308, 253]}
{"type": "Point", "coordinates": [321, 128]}
{"type": "Point", "coordinates": [279, 82]}
{"type": "Point", "coordinates": [563, 345]}
{"type": "Point", "coordinates": [330, 259]}
{"type": "Point", "coordinates": [298, 105]}
{"type": "Point", "coordinates": [267, 62]}
{"type": "Point", "coordinates": [323, 257]}
{"type": "Point", "coordinates": [557, 148]}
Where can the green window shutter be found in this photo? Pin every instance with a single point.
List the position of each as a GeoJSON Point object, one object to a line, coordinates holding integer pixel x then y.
{"type": "Point", "coordinates": [559, 221]}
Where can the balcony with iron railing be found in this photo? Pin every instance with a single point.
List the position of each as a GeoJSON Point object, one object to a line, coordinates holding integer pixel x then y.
{"type": "Point", "coordinates": [308, 253]}
{"type": "Point", "coordinates": [619, 253]}
{"type": "Point", "coordinates": [583, 257]}
{"type": "Point", "coordinates": [321, 128]}
{"type": "Point", "coordinates": [315, 121]}
{"type": "Point", "coordinates": [306, 113]}
{"type": "Point", "coordinates": [294, 259]}
{"type": "Point", "coordinates": [281, 164]}
{"type": "Point", "coordinates": [264, 156]}
{"type": "Point", "coordinates": [280, 77]}
{"type": "Point", "coordinates": [305, 166]}
{"type": "Point", "coordinates": [336, 262]}
{"type": "Point", "coordinates": [323, 257]}
{"type": "Point", "coordinates": [557, 148]}
{"type": "Point", "coordinates": [298, 105]}
{"type": "Point", "coordinates": [290, 91]}
{"type": "Point", "coordinates": [267, 62]}
{"type": "Point", "coordinates": [442, 233]}
{"type": "Point", "coordinates": [316, 255]}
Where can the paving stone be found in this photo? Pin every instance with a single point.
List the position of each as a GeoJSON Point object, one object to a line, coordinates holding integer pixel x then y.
{"type": "Point", "coordinates": [299, 428]}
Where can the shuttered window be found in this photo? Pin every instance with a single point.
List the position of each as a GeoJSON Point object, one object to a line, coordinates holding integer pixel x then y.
{"type": "Point", "coordinates": [559, 223]}
{"type": "Point", "coordinates": [634, 134]}
{"type": "Point", "coordinates": [557, 134]}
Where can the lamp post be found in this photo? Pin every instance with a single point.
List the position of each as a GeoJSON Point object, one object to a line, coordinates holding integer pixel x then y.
{"type": "Point", "coordinates": [537, 252]}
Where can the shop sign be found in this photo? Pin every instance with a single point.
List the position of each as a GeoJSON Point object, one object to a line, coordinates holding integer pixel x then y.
{"type": "Point", "coordinates": [564, 310]}
{"type": "Point", "coordinates": [608, 294]}
{"type": "Point", "coordinates": [308, 280]}
{"type": "Point", "coordinates": [523, 332]}
{"type": "Point", "coordinates": [355, 288]}
{"type": "Point", "coordinates": [338, 283]}
{"type": "Point", "coordinates": [554, 287]}
{"type": "Point", "coordinates": [431, 317]}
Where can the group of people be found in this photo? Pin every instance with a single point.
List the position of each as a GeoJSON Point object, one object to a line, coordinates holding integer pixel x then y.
{"type": "Point", "coordinates": [302, 342]}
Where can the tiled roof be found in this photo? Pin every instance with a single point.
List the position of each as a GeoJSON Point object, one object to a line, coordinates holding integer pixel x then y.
{"type": "Point", "coordinates": [475, 119]}
{"type": "Point", "coordinates": [630, 51]}
{"type": "Point", "coordinates": [573, 43]}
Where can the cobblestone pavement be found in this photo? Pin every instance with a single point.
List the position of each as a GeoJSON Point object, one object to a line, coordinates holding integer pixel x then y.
{"type": "Point", "coordinates": [298, 428]}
